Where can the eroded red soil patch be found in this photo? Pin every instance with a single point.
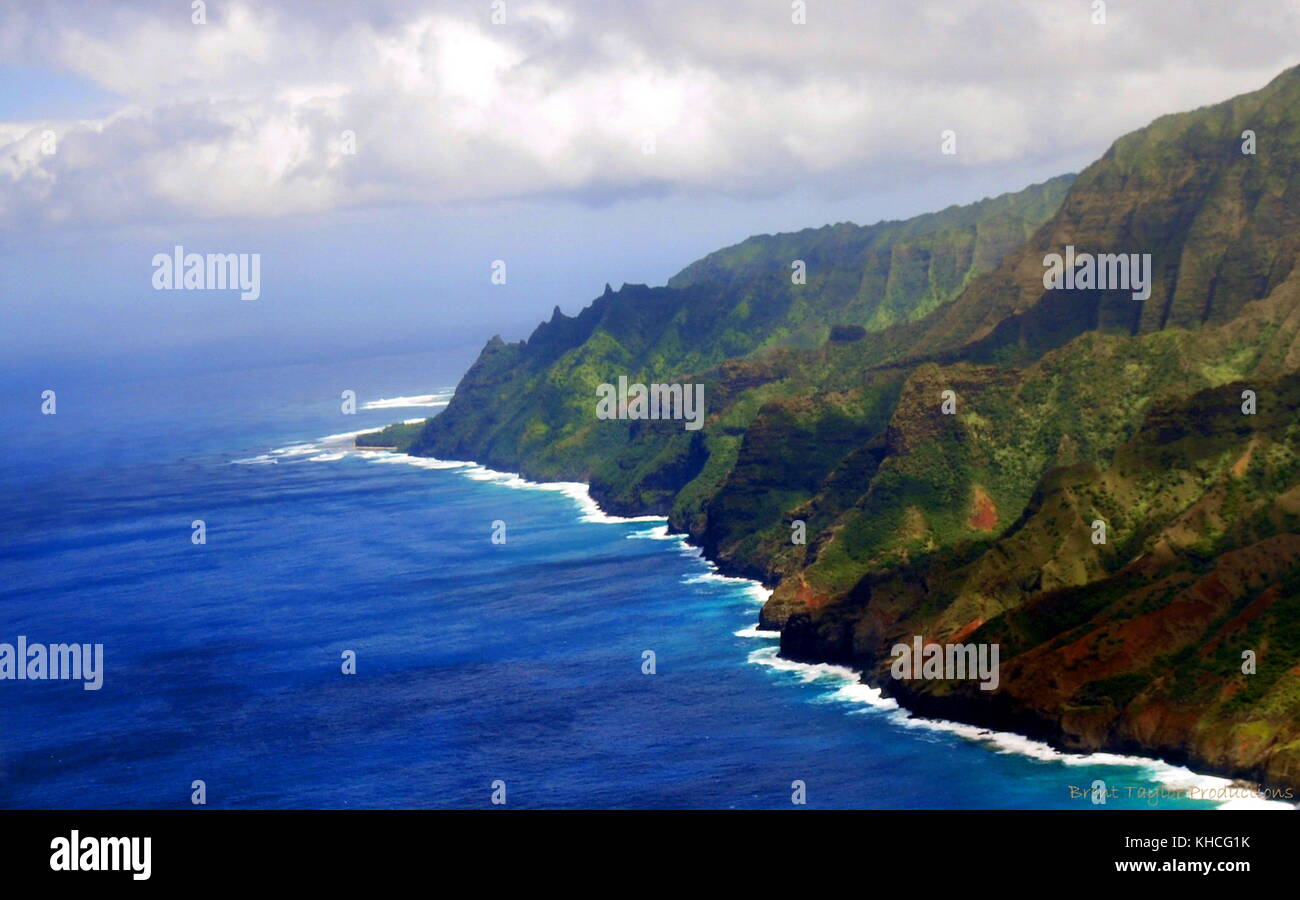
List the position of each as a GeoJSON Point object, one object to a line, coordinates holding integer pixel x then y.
{"type": "Point", "coordinates": [985, 516]}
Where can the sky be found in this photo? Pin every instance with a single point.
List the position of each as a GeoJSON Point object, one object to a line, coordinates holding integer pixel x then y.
{"type": "Point", "coordinates": [380, 157]}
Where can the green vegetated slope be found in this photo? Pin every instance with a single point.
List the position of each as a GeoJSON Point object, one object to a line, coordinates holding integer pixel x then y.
{"type": "Point", "coordinates": [1072, 407]}
{"type": "Point", "coordinates": [1136, 643]}
{"type": "Point", "coordinates": [530, 405]}
{"type": "Point", "coordinates": [883, 274]}
{"type": "Point", "coordinates": [1222, 227]}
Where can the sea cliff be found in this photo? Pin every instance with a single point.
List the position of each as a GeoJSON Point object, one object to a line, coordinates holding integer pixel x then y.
{"type": "Point", "coordinates": [921, 439]}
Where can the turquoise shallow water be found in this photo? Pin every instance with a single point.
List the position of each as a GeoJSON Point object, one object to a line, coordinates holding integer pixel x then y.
{"type": "Point", "coordinates": [476, 662]}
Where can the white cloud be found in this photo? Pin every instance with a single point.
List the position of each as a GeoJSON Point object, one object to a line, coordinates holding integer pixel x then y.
{"type": "Point", "coordinates": [242, 117]}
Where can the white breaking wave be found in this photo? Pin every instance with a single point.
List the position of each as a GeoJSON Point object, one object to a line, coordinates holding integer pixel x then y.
{"type": "Point", "coordinates": [388, 456]}
{"type": "Point", "coordinates": [439, 399]}
{"type": "Point", "coordinates": [296, 450]}
{"type": "Point", "coordinates": [658, 533]}
{"type": "Point", "coordinates": [843, 683]}
{"type": "Point", "coordinates": [574, 490]}
{"type": "Point", "coordinates": [263, 459]}
{"type": "Point", "coordinates": [343, 438]}
{"type": "Point", "coordinates": [329, 448]}
{"type": "Point", "coordinates": [334, 447]}
{"type": "Point", "coordinates": [1255, 803]}
{"type": "Point", "coordinates": [754, 590]}
{"type": "Point", "coordinates": [718, 578]}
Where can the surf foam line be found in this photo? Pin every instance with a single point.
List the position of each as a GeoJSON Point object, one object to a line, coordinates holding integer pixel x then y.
{"type": "Point", "coordinates": [334, 447]}
{"type": "Point", "coordinates": [844, 683]}
{"type": "Point", "coordinates": [323, 449]}
{"type": "Point", "coordinates": [844, 686]}
{"type": "Point", "coordinates": [847, 687]}
{"type": "Point", "coordinates": [576, 491]}
{"type": "Point", "coordinates": [442, 398]}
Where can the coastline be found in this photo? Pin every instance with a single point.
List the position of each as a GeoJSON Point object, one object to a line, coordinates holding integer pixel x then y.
{"type": "Point", "coordinates": [848, 683]}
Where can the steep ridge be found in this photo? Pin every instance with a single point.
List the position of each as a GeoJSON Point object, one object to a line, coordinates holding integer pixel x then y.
{"type": "Point", "coordinates": [887, 273]}
{"type": "Point", "coordinates": [1222, 228]}
{"type": "Point", "coordinates": [1137, 642]}
{"type": "Point", "coordinates": [1068, 407]}
{"type": "Point", "coordinates": [529, 405]}
{"type": "Point", "coordinates": [950, 480]}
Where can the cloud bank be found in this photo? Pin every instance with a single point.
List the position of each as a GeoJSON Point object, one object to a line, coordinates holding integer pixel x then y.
{"type": "Point", "coordinates": [256, 113]}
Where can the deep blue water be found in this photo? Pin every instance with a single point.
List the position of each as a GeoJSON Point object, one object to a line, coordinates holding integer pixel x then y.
{"type": "Point", "coordinates": [476, 662]}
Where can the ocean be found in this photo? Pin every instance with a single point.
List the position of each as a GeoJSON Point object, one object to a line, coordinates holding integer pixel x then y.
{"type": "Point", "coordinates": [512, 669]}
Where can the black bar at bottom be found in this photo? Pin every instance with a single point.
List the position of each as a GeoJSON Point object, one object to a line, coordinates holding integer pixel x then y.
{"type": "Point", "coordinates": [331, 849]}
